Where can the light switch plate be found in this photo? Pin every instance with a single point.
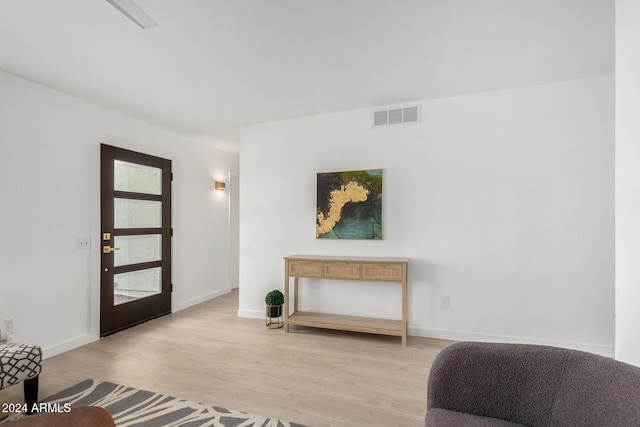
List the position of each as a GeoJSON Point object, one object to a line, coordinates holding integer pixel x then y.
{"type": "Point", "coordinates": [83, 243]}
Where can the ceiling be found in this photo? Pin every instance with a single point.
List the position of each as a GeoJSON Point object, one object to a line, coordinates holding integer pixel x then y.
{"type": "Point", "coordinates": [212, 66]}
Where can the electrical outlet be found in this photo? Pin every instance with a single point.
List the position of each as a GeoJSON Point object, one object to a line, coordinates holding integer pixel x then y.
{"type": "Point", "coordinates": [83, 243]}
{"type": "Point", "coordinates": [445, 302]}
{"type": "Point", "coordinates": [8, 325]}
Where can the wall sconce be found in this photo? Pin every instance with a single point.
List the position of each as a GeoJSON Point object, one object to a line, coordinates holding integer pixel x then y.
{"type": "Point", "coordinates": [220, 185]}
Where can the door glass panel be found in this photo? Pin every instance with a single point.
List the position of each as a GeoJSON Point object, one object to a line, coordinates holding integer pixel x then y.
{"type": "Point", "coordinates": [137, 178]}
{"type": "Point", "coordinates": [130, 213]}
{"type": "Point", "coordinates": [137, 249]}
{"type": "Point", "coordinates": [136, 284]}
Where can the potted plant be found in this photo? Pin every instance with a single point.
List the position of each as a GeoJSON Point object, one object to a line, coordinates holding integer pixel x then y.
{"type": "Point", "coordinates": [274, 301]}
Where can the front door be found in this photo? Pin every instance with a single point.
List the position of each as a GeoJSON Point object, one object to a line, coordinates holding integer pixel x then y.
{"type": "Point", "coordinates": [136, 238]}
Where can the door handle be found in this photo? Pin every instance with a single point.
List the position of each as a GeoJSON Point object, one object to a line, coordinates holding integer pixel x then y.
{"type": "Point", "coordinates": [109, 249]}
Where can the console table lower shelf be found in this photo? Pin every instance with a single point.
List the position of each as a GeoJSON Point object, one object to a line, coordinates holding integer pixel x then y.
{"type": "Point", "coordinates": [347, 323]}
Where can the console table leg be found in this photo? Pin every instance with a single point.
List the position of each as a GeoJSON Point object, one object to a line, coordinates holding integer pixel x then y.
{"type": "Point", "coordinates": [286, 297]}
{"type": "Point", "coordinates": [295, 294]}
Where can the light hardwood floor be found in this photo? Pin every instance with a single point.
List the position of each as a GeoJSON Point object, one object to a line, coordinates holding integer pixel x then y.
{"type": "Point", "coordinates": [207, 354]}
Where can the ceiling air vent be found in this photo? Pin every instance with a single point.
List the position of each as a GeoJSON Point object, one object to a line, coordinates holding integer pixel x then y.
{"type": "Point", "coordinates": [396, 116]}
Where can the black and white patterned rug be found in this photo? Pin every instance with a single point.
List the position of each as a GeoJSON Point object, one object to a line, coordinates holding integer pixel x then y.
{"type": "Point", "coordinates": [133, 407]}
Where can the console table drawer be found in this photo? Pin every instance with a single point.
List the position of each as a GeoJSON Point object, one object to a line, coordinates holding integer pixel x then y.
{"type": "Point", "coordinates": [389, 272]}
{"type": "Point", "coordinates": [305, 268]}
{"type": "Point", "coordinates": [342, 270]}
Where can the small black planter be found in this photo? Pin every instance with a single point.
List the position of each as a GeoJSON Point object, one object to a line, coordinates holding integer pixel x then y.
{"type": "Point", "coordinates": [274, 310]}
{"type": "Point", "coordinates": [274, 318]}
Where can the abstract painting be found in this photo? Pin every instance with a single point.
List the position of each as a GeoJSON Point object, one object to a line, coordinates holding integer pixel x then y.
{"type": "Point", "coordinates": [349, 205]}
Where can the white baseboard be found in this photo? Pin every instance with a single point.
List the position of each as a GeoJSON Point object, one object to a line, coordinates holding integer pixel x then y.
{"type": "Point", "coordinates": [607, 351]}
{"type": "Point", "coordinates": [251, 314]}
{"type": "Point", "coordinates": [202, 298]}
{"type": "Point", "coordinates": [56, 349]}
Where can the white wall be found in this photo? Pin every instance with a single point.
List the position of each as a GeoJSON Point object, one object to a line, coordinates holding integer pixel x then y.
{"type": "Point", "coordinates": [503, 201]}
{"type": "Point", "coordinates": [627, 181]}
{"type": "Point", "coordinates": [49, 182]}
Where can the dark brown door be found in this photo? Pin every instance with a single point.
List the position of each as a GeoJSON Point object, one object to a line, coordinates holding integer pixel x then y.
{"type": "Point", "coordinates": [136, 238]}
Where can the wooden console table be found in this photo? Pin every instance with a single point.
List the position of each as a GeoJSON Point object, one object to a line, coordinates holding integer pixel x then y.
{"type": "Point", "coordinates": [351, 268]}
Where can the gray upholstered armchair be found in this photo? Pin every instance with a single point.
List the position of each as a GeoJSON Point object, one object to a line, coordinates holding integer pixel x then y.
{"type": "Point", "coordinates": [489, 384]}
